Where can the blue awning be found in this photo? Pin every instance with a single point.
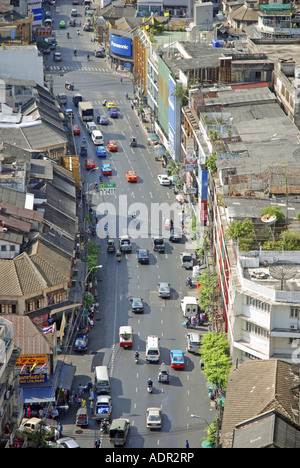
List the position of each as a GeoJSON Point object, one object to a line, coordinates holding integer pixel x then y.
{"type": "Point", "coordinates": [38, 395]}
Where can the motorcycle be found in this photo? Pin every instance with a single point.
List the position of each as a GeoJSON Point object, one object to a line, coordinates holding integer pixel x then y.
{"type": "Point", "coordinates": [93, 231]}
{"type": "Point", "coordinates": [118, 256]}
{"type": "Point", "coordinates": [149, 387]}
{"type": "Point", "coordinates": [69, 86]}
{"type": "Point", "coordinates": [187, 324]}
{"type": "Point", "coordinates": [104, 426]}
{"type": "Point", "coordinates": [136, 359]}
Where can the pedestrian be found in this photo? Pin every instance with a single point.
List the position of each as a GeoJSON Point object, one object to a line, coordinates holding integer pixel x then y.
{"type": "Point", "coordinates": [83, 402]}
{"type": "Point", "coordinates": [76, 400]}
{"type": "Point", "coordinates": [187, 445]}
{"type": "Point", "coordinates": [121, 80]}
{"type": "Point", "coordinates": [97, 443]}
{"type": "Point", "coordinates": [80, 389]}
{"type": "Point", "coordinates": [59, 428]}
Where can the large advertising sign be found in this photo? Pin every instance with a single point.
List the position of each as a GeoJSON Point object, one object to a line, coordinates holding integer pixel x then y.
{"type": "Point", "coordinates": [120, 45]}
{"type": "Point", "coordinates": [174, 121]}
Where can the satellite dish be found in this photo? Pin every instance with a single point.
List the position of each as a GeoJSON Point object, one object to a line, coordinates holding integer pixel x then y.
{"type": "Point", "coordinates": [283, 272]}
{"type": "Point", "coordinates": [269, 219]}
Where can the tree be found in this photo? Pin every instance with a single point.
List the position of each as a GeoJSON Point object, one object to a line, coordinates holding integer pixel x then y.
{"type": "Point", "coordinates": [215, 357]}
{"type": "Point", "coordinates": [207, 282]}
{"type": "Point", "coordinates": [239, 229]}
{"type": "Point", "coordinates": [180, 94]}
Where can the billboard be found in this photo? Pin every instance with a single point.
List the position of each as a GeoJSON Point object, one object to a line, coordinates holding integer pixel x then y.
{"type": "Point", "coordinates": [120, 45]}
{"type": "Point", "coordinates": [174, 120]}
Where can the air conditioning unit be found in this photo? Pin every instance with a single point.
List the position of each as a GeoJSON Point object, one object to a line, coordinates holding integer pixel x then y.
{"type": "Point", "coordinates": [292, 327]}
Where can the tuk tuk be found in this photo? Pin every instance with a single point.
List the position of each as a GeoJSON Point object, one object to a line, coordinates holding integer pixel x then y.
{"type": "Point", "coordinates": [133, 142]}
{"type": "Point", "coordinates": [163, 375]}
{"type": "Point", "coordinates": [82, 417]}
{"type": "Point", "coordinates": [125, 336]}
{"type": "Point", "coordinates": [76, 99]}
{"type": "Point", "coordinates": [111, 245]}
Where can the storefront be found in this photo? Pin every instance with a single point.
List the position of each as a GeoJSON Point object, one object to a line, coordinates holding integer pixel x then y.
{"type": "Point", "coordinates": [121, 51]}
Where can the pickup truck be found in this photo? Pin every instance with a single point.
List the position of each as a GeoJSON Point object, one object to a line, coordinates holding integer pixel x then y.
{"type": "Point", "coordinates": [158, 244]}
{"type": "Point", "coordinates": [186, 260]}
{"type": "Point", "coordinates": [103, 407]}
{"type": "Point", "coordinates": [125, 244]}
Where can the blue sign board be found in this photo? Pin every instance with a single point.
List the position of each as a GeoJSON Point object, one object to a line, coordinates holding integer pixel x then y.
{"type": "Point", "coordinates": [120, 45]}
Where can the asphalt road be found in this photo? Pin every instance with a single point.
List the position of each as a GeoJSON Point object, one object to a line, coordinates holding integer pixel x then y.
{"type": "Point", "coordinates": [187, 392]}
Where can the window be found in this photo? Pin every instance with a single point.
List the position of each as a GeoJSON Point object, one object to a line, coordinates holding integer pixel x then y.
{"type": "Point", "coordinates": [294, 312]}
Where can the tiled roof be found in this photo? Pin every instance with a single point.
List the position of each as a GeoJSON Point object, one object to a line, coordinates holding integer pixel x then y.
{"type": "Point", "coordinates": [27, 337]}
{"type": "Point", "coordinates": [30, 278]}
{"type": "Point", "coordinates": [255, 387]}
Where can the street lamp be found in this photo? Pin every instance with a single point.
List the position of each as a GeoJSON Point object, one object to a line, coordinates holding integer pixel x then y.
{"type": "Point", "coordinates": [199, 417]}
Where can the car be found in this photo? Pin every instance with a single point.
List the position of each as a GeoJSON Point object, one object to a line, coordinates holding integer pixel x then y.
{"type": "Point", "coordinates": [102, 120]}
{"type": "Point", "coordinates": [57, 57]}
{"type": "Point", "coordinates": [163, 179]}
{"type": "Point", "coordinates": [62, 24]}
{"type": "Point", "coordinates": [106, 169]}
{"type": "Point", "coordinates": [90, 163]}
{"type": "Point", "coordinates": [76, 130]}
{"type": "Point", "coordinates": [88, 27]}
{"type": "Point", "coordinates": [131, 176]}
{"type": "Point", "coordinates": [158, 244]}
{"type": "Point", "coordinates": [186, 260]}
{"type": "Point", "coordinates": [143, 256]}
{"type": "Point", "coordinates": [113, 113]}
{"type": "Point", "coordinates": [90, 127]}
{"type": "Point", "coordinates": [45, 50]}
{"type": "Point", "coordinates": [103, 407]}
{"type": "Point", "coordinates": [175, 235]}
{"type": "Point", "coordinates": [81, 342]}
{"type": "Point", "coordinates": [75, 2]}
{"type": "Point", "coordinates": [112, 146]}
{"type": "Point", "coordinates": [153, 418]}
{"type": "Point", "coordinates": [137, 305]}
{"type": "Point", "coordinates": [98, 53]}
{"type": "Point", "coordinates": [110, 105]}
{"type": "Point", "coordinates": [69, 113]}
{"type": "Point", "coordinates": [74, 12]}
{"type": "Point", "coordinates": [67, 442]}
{"type": "Point", "coordinates": [177, 359]}
{"type": "Point", "coordinates": [193, 342]}
{"type": "Point", "coordinates": [164, 290]}
{"type": "Point", "coordinates": [101, 151]}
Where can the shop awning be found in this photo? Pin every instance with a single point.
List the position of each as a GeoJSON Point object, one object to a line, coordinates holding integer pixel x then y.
{"type": "Point", "coordinates": [34, 395]}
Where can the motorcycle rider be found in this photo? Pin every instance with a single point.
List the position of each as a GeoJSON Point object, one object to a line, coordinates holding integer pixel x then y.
{"type": "Point", "coordinates": [149, 383]}
{"type": "Point", "coordinates": [189, 281]}
{"type": "Point", "coordinates": [96, 186]}
{"type": "Point", "coordinates": [136, 355]}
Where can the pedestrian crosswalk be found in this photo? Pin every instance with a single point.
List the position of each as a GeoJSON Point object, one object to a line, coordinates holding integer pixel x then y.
{"type": "Point", "coordinates": [55, 68]}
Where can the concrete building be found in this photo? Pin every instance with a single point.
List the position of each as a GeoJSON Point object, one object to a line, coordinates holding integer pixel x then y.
{"type": "Point", "coordinates": [22, 62]}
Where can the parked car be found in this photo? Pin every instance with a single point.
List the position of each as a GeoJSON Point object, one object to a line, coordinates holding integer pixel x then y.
{"type": "Point", "coordinates": [81, 342]}
{"type": "Point", "coordinates": [164, 290]}
{"type": "Point", "coordinates": [67, 442]}
{"type": "Point", "coordinates": [76, 130]}
{"type": "Point", "coordinates": [163, 179]}
{"type": "Point", "coordinates": [137, 305]}
{"type": "Point", "coordinates": [193, 342]}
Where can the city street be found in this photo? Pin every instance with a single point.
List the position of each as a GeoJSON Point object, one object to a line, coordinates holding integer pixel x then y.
{"type": "Point", "coordinates": [186, 393]}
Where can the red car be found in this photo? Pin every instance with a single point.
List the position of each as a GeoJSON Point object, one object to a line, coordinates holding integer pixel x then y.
{"type": "Point", "coordinates": [90, 164]}
{"type": "Point", "coordinates": [131, 176]}
{"type": "Point", "coordinates": [112, 146]}
{"type": "Point", "coordinates": [76, 130]}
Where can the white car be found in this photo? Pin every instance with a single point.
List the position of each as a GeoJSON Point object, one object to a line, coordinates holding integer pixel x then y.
{"type": "Point", "coordinates": [163, 179]}
{"type": "Point", "coordinates": [67, 442]}
{"type": "Point", "coordinates": [153, 418]}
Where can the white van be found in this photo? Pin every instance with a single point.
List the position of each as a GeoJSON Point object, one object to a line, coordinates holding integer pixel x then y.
{"type": "Point", "coordinates": [97, 137]}
{"type": "Point", "coordinates": [189, 306]}
{"type": "Point", "coordinates": [102, 383]}
{"type": "Point", "coordinates": [152, 348]}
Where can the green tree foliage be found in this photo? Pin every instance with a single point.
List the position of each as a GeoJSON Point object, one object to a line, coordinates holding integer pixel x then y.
{"type": "Point", "coordinates": [92, 255]}
{"type": "Point", "coordinates": [238, 229]}
{"type": "Point", "coordinates": [207, 289]}
{"type": "Point", "coordinates": [215, 357]}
